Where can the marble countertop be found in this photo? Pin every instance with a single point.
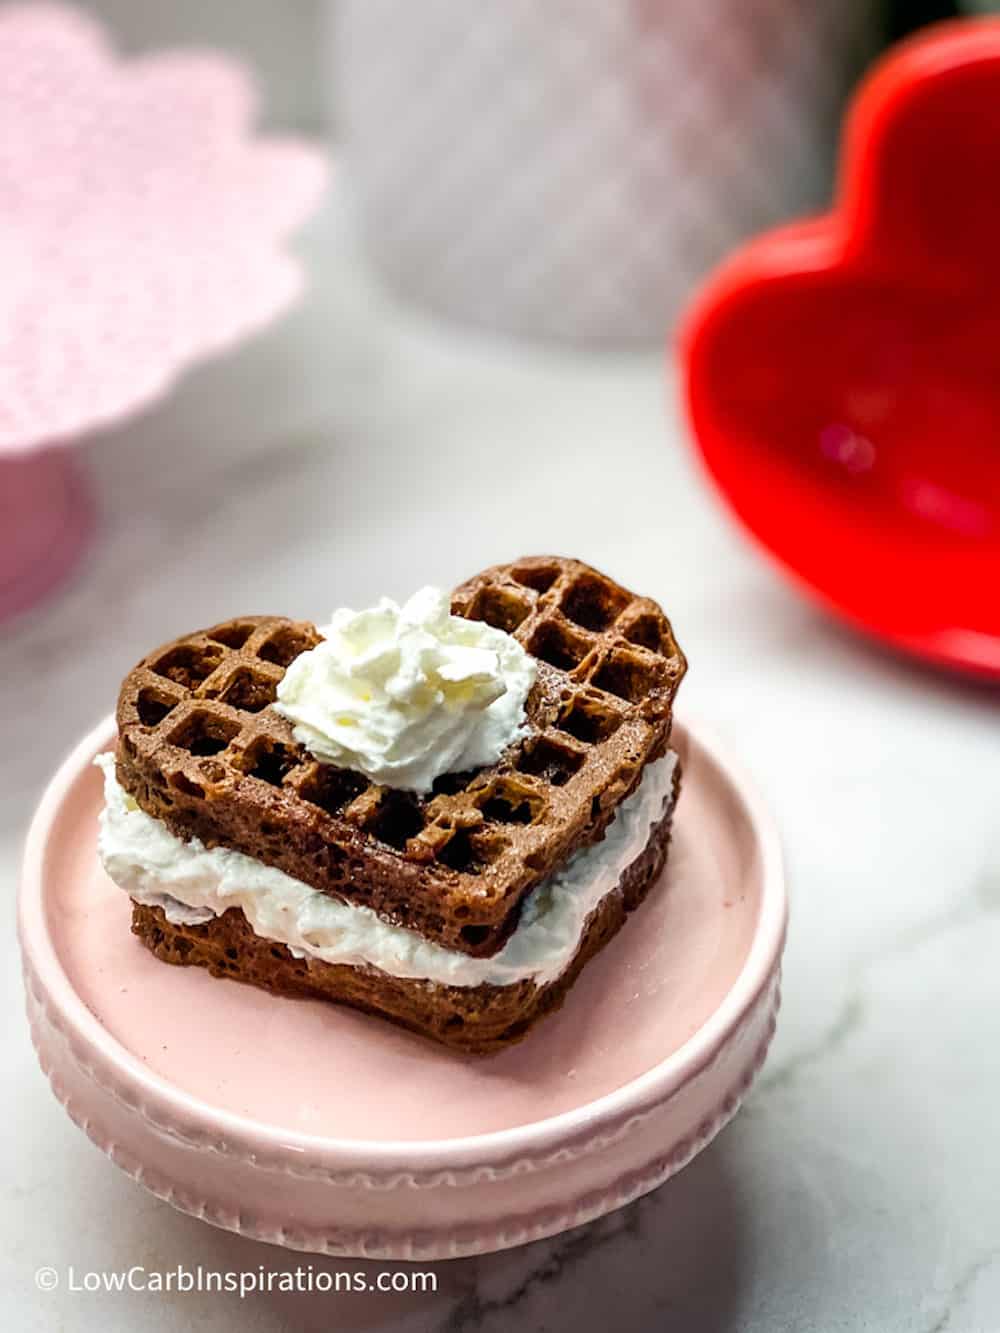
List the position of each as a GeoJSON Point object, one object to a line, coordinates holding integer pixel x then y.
{"type": "Point", "coordinates": [356, 449]}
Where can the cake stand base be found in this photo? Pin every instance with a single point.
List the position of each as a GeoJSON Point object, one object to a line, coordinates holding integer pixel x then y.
{"type": "Point", "coordinates": [46, 519]}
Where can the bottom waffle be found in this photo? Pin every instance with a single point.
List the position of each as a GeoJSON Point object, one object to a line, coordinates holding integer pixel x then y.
{"type": "Point", "coordinates": [474, 1019]}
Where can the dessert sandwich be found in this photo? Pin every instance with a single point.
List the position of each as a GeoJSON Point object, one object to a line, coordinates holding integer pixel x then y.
{"type": "Point", "coordinates": [436, 813]}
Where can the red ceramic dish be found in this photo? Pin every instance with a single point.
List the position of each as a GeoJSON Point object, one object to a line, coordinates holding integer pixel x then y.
{"type": "Point", "coordinates": [842, 373]}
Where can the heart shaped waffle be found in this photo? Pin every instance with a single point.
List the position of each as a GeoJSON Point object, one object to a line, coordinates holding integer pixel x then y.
{"type": "Point", "coordinates": [202, 749]}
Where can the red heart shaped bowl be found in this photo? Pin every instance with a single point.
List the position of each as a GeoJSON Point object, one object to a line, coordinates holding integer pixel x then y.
{"type": "Point", "coordinates": [843, 374]}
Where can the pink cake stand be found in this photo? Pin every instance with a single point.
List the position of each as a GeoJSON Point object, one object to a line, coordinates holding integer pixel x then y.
{"type": "Point", "coordinates": [141, 226]}
{"type": "Point", "coordinates": [318, 1128]}
{"type": "Point", "coordinates": [45, 521]}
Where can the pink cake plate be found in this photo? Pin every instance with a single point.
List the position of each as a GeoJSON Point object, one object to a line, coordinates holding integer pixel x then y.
{"type": "Point", "coordinates": [142, 228]}
{"type": "Point", "coordinates": [318, 1128]}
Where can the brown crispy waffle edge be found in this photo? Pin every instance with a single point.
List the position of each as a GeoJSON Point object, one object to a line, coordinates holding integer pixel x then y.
{"type": "Point", "coordinates": [201, 749]}
{"type": "Point", "coordinates": [477, 1020]}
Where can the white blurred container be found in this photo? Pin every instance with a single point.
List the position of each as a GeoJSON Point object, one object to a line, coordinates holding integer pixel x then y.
{"type": "Point", "coordinates": [570, 169]}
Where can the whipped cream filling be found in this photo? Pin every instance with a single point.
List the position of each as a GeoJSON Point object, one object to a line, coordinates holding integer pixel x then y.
{"type": "Point", "coordinates": [193, 883]}
{"type": "Point", "coordinates": [406, 693]}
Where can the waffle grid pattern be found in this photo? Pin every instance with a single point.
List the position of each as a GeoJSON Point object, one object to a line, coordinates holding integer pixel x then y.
{"type": "Point", "coordinates": [197, 730]}
{"type": "Point", "coordinates": [475, 1019]}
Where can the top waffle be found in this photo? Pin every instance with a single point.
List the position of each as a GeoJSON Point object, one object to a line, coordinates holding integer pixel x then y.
{"type": "Point", "coordinates": [201, 748]}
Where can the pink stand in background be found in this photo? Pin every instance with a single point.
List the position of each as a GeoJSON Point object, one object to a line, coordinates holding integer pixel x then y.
{"type": "Point", "coordinates": [141, 230]}
{"type": "Point", "coordinates": [46, 520]}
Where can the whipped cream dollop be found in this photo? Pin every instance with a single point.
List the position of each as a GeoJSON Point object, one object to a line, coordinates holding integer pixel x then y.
{"type": "Point", "coordinates": [193, 883]}
{"type": "Point", "coordinates": [406, 693]}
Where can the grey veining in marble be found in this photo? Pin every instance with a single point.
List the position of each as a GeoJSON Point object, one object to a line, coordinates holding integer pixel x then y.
{"type": "Point", "coordinates": [356, 450]}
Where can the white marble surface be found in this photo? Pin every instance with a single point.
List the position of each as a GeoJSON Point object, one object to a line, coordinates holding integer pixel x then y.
{"type": "Point", "coordinates": [358, 449]}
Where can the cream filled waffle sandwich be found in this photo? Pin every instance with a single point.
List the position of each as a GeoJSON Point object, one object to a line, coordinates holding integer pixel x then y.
{"type": "Point", "coordinates": [437, 813]}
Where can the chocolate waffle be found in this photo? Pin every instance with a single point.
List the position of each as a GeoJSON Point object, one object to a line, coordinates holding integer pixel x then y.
{"type": "Point", "coordinates": [474, 1019]}
{"type": "Point", "coordinates": [201, 749]}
